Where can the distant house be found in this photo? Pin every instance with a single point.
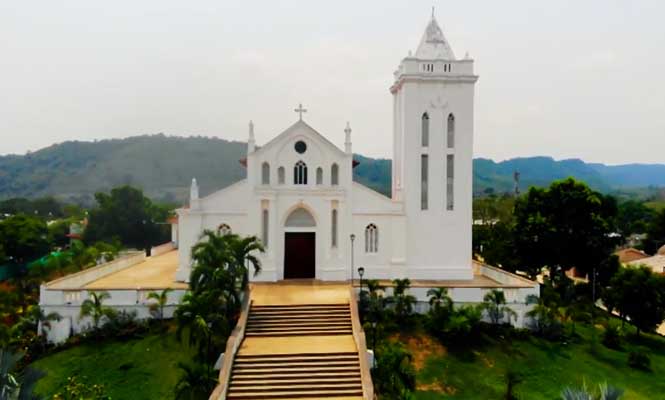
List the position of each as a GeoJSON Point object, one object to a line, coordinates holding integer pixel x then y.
{"type": "Point", "coordinates": [656, 263]}
{"type": "Point", "coordinates": [630, 254]}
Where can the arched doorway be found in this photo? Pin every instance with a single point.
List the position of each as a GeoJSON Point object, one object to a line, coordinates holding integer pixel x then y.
{"type": "Point", "coordinates": [300, 245]}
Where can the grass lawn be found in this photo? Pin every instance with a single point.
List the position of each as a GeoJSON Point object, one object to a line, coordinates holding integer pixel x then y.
{"type": "Point", "coordinates": [478, 371]}
{"type": "Point", "coordinates": [138, 369]}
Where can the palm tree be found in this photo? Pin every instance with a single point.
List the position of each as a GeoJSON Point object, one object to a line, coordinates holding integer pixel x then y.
{"type": "Point", "coordinates": [196, 382]}
{"type": "Point", "coordinates": [93, 307]}
{"type": "Point", "coordinates": [494, 304]}
{"type": "Point", "coordinates": [200, 316]}
{"type": "Point", "coordinates": [439, 299]}
{"type": "Point", "coordinates": [36, 320]}
{"type": "Point", "coordinates": [403, 302]}
{"type": "Point", "coordinates": [160, 302]}
{"type": "Point", "coordinates": [605, 392]}
{"type": "Point", "coordinates": [12, 384]}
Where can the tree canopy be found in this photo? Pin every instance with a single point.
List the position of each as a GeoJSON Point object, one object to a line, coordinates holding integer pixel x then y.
{"type": "Point", "coordinates": [128, 216]}
{"type": "Point", "coordinates": [23, 238]}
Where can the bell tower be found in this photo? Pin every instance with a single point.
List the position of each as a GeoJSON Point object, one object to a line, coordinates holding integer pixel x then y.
{"type": "Point", "coordinates": [433, 95]}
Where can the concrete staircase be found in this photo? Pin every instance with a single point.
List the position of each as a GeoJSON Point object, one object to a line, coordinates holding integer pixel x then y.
{"type": "Point", "coordinates": [295, 375]}
{"type": "Point", "coordinates": [299, 320]}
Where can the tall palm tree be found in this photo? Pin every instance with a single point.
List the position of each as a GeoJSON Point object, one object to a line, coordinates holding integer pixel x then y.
{"type": "Point", "coordinates": [243, 251]}
{"type": "Point", "coordinates": [402, 302]}
{"type": "Point", "coordinates": [201, 317]}
{"type": "Point", "coordinates": [94, 307]}
{"type": "Point", "coordinates": [161, 299]}
{"type": "Point", "coordinates": [439, 299]}
{"type": "Point", "coordinates": [36, 320]}
{"type": "Point", "coordinates": [494, 304]}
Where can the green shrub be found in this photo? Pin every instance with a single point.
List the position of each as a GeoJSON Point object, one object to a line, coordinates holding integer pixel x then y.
{"type": "Point", "coordinates": [612, 335]}
{"type": "Point", "coordinates": [639, 360]}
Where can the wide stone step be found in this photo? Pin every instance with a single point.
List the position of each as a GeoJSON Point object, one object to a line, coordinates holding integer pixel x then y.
{"type": "Point", "coordinates": [297, 381]}
{"type": "Point", "coordinates": [307, 314]}
{"type": "Point", "coordinates": [295, 389]}
{"type": "Point", "coordinates": [315, 394]}
{"type": "Point", "coordinates": [281, 306]}
{"type": "Point", "coordinates": [297, 333]}
{"type": "Point", "coordinates": [302, 375]}
{"type": "Point", "coordinates": [294, 370]}
{"type": "Point", "coordinates": [297, 360]}
{"type": "Point", "coordinates": [323, 364]}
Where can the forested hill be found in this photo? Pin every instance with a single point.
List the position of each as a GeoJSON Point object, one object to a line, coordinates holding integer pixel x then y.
{"type": "Point", "coordinates": [163, 167]}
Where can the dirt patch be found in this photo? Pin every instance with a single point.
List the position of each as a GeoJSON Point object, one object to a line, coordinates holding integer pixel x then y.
{"type": "Point", "coordinates": [421, 347]}
{"type": "Point", "coordinates": [436, 386]}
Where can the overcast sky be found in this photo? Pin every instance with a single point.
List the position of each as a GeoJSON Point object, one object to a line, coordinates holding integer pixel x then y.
{"type": "Point", "coordinates": [580, 78]}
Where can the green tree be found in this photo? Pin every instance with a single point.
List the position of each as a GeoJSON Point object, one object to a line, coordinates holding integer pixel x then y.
{"type": "Point", "coordinates": [196, 382]}
{"type": "Point", "coordinates": [94, 307]}
{"type": "Point", "coordinates": [494, 304]}
{"type": "Point", "coordinates": [639, 294]}
{"type": "Point", "coordinates": [563, 226]}
{"type": "Point", "coordinates": [161, 298]}
{"type": "Point", "coordinates": [24, 238]}
{"type": "Point", "coordinates": [394, 376]}
{"type": "Point", "coordinates": [402, 302]}
{"type": "Point", "coordinates": [655, 233]}
{"type": "Point", "coordinates": [126, 214]}
{"type": "Point", "coordinates": [633, 217]}
{"type": "Point", "coordinates": [36, 320]}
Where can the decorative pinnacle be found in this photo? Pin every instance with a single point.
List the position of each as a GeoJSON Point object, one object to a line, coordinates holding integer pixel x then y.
{"type": "Point", "coordinates": [251, 130]}
{"type": "Point", "coordinates": [347, 130]}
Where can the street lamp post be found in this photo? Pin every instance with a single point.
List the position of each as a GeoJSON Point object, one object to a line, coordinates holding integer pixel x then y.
{"type": "Point", "coordinates": [374, 343]}
{"type": "Point", "coordinates": [353, 237]}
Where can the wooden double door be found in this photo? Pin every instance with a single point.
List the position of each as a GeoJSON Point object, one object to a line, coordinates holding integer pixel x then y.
{"type": "Point", "coordinates": [299, 255]}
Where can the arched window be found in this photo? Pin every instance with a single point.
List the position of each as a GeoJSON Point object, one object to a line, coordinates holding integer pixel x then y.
{"type": "Point", "coordinates": [224, 229]}
{"type": "Point", "coordinates": [319, 176]}
{"type": "Point", "coordinates": [300, 173]}
{"type": "Point", "coordinates": [280, 175]}
{"type": "Point", "coordinates": [451, 131]}
{"type": "Point", "coordinates": [371, 239]}
{"type": "Point", "coordinates": [334, 174]}
{"type": "Point", "coordinates": [265, 173]}
{"type": "Point", "coordinates": [425, 129]}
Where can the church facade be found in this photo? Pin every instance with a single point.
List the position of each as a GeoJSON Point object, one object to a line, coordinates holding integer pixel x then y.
{"type": "Point", "coordinates": [315, 222]}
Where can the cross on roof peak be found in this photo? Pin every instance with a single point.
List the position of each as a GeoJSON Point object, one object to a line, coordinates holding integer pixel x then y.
{"type": "Point", "coordinates": [300, 110]}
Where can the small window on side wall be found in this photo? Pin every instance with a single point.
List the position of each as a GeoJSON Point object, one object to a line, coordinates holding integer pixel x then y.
{"type": "Point", "coordinates": [265, 173]}
{"type": "Point", "coordinates": [334, 174]}
{"type": "Point", "coordinates": [280, 175]}
{"type": "Point", "coordinates": [224, 229]}
{"type": "Point", "coordinates": [371, 239]}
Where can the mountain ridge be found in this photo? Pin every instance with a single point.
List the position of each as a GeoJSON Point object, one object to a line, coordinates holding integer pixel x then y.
{"type": "Point", "coordinates": [163, 167]}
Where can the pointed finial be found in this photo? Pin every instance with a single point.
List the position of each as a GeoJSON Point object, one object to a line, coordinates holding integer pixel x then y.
{"type": "Point", "coordinates": [251, 129]}
{"type": "Point", "coordinates": [432, 12]}
{"type": "Point", "coordinates": [466, 56]}
{"type": "Point", "coordinates": [347, 141]}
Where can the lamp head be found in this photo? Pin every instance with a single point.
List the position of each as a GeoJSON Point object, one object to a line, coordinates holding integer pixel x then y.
{"type": "Point", "coordinates": [361, 272]}
{"type": "Point", "coordinates": [353, 237]}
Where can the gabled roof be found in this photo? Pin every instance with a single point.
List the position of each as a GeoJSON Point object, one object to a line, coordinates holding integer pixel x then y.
{"type": "Point", "coordinates": [433, 44]}
{"type": "Point", "coordinates": [299, 125]}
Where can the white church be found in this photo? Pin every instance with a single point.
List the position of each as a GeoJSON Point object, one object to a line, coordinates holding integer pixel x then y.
{"type": "Point", "coordinates": [300, 199]}
{"type": "Point", "coordinates": [316, 223]}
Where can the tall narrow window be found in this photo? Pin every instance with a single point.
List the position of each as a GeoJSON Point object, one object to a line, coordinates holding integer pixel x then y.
{"type": "Point", "coordinates": [280, 175]}
{"type": "Point", "coordinates": [334, 228]}
{"type": "Point", "coordinates": [319, 176]}
{"type": "Point", "coordinates": [371, 239]}
{"type": "Point", "coordinates": [264, 228]}
{"type": "Point", "coordinates": [450, 181]}
{"type": "Point", "coordinates": [265, 173]}
{"type": "Point", "coordinates": [424, 130]}
{"type": "Point", "coordinates": [451, 131]}
{"type": "Point", "coordinates": [334, 174]}
{"type": "Point", "coordinates": [300, 173]}
{"type": "Point", "coordinates": [424, 169]}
